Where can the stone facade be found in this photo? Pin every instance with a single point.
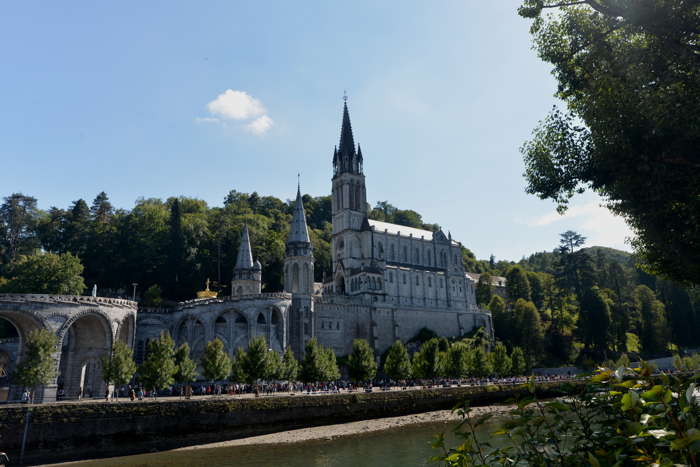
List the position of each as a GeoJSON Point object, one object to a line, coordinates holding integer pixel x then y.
{"type": "Point", "coordinates": [86, 327]}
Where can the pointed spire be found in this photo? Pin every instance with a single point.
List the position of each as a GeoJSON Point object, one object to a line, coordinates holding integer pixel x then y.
{"type": "Point", "coordinates": [245, 255]}
{"type": "Point", "coordinates": [299, 232]}
{"type": "Point", "coordinates": [346, 148]}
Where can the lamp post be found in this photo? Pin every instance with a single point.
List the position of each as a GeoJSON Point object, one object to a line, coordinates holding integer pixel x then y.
{"type": "Point", "coordinates": [133, 295]}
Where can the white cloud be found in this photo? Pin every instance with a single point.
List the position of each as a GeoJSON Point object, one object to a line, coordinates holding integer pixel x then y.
{"type": "Point", "coordinates": [596, 222]}
{"type": "Point", "coordinates": [236, 105]}
{"type": "Point", "coordinates": [233, 105]}
{"type": "Point", "coordinates": [260, 125]}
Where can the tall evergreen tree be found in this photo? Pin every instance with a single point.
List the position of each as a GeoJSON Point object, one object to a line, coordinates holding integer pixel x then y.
{"type": "Point", "coordinates": [257, 364]}
{"type": "Point", "coordinates": [119, 367]}
{"type": "Point", "coordinates": [216, 364]}
{"type": "Point", "coordinates": [500, 360]}
{"type": "Point", "coordinates": [517, 284]}
{"type": "Point", "coordinates": [19, 216]}
{"type": "Point", "coordinates": [186, 367]}
{"type": "Point", "coordinates": [361, 364]}
{"type": "Point", "coordinates": [397, 364]}
{"type": "Point", "coordinates": [158, 370]}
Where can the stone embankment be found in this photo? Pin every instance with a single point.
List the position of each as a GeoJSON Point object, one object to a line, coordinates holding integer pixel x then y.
{"type": "Point", "coordinates": [78, 431]}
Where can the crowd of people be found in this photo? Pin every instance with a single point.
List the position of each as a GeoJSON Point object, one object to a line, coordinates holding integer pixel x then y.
{"type": "Point", "coordinates": [189, 391]}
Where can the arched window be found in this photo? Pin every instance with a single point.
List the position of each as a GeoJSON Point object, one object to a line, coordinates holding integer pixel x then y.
{"type": "Point", "coordinates": [261, 319]}
{"type": "Point", "coordinates": [358, 197]}
{"type": "Point", "coordinates": [430, 259]}
{"type": "Point", "coordinates": [405, 254]}
{"type": "Point", "coordinates": [404, 278]}
{"type": "Point", "coordinates": [417, 256]}
{"type": "Point", "coordinates": [417, 281]}
{"type": "Point", "coordinates": [380, 250]}
{"type": "Point", "coordinates": [430, 282]}
{"type": "Point", "coordinates": [392, 255]}
{"type": "Point", "coordinates": [351, 190]}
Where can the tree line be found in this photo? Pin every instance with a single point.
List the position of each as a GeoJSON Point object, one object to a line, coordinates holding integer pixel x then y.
{"type": "Point", "coordinates": [169, 248]}
{"type": "Point", "coordinates": [578, 305]}
{"type": "Point", "coordinates": [166, 364]}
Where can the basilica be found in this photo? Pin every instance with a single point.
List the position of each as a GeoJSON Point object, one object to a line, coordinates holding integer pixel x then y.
{"type": "Point", "coordinates": [389, 281]}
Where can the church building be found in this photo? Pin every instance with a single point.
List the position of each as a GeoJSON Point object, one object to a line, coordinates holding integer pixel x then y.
{"type": "Point", "coordinates": [388, 282]}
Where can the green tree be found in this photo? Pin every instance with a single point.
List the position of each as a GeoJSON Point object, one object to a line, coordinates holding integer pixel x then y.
{"type": "Point", "coordinates": [502, 319]}
{"type": "Point", "coordinates": [517, 285]}
{"type": "Point", "coordinates": [186, 367]}
{"type": "Point", "coordinates": [46, 273]}
{"type": "Point", "coordinates": [530, 333]}
{"type": "Point", "coordinates": [361, 364]}
{"type": "Point", "coordinates": [627, 139]}
{"type": "Point", "coordinates": [120, 367]}
{"type": "Point", "coordinates": [158, 370]}
{"type": "Point", "coordinates": [331, 372]}
{"type": "Point", "coordinates": [37, 365]}
{"type": "Point", "coordinates": [480, 365]}
{"type": "Point", "coordinates": [216, 364]}
{"type": "Point", "coordinates": [238, 374]}
{"type": "Point", "coordinates": [518, 364]}
{"type": "Point", "coordinates": [595, 322]}
{"type": "Point", "coordinates": [312, 367]}
{"type": "Point", "coordinates": [428, 362]}
{"type": "Point", "coordinates": [500, 360]}
{"type": "Point", "coordinates": [484, 290]}
{"type": "Point", "coordinates": [153, 296]}
{"type": "Point", "coordinates": [654, 335]}
{"type": "Point", "coordinates": [537, 289]}
{"type": "Point", "coordinates": [397, 364]}
{"type": "Point", "coordinates": [257, 364]}
{"type": "Point", "coordinates": [19, 217]}
{"type": "Point", "coordinates": [290, 366]}
{"type": "Point", "coordinates": [457, 360]}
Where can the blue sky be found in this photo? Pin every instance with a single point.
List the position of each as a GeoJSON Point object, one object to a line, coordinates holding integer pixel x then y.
{"type": "Point", "coordinates": [155, 99]}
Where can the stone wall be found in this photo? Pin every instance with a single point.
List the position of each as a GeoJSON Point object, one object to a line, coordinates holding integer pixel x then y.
{"type": "Point", "coordinates": [78, 431]}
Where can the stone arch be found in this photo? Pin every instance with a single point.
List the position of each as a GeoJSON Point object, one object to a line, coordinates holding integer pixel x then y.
{"type": "Point", "coordinates": [10, 347]}
{"type": "Point", "coordinates": [84, 339]}
{"type": "Point", "coordinates": [261, 327]}
{"type": "Point", "coordinates": [191, 330]}
{"type": "Point", "coordinates": [126, 331]}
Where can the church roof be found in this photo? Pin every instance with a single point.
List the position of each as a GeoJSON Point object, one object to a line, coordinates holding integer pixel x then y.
{"type": "Point", "coordinates": [245, 254]}
{"type": "Point", "coordinates": [298, 232]}
{"type": "Point", "coordinates": [394, 229]}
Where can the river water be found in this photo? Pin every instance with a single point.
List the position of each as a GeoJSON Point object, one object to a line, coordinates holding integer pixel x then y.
{"type": "Point", "coordinates": [404, 446]}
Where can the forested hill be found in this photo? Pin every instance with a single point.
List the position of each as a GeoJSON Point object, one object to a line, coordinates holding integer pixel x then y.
{"type": "Point", "coordinates": [173, 245]}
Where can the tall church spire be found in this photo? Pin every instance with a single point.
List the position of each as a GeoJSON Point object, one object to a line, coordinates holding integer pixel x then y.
{"type": "Point", "coordinates": [245, 255]}
{"type": "Point", "coordinates": [345, 158]}
{"type": "Point", "coordinates": [299, 232]}
{"type": "Point", "coordinates": [347, 142]}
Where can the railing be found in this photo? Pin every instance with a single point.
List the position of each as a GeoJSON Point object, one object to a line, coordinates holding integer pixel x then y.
{"type": "Point", "coordinates": [208, 301]}
{"type": "Point", "coordinates": [67, 299]}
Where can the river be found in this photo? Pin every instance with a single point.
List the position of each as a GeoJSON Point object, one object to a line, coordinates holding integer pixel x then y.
{"type": "Point", "coordinates": [403, 446]}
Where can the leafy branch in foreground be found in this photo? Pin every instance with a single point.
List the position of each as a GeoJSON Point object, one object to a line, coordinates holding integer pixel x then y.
{"type": "Point", "coordinates": [619, 417]}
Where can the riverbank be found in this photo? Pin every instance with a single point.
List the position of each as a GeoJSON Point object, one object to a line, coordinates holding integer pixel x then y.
{"type": "Point", "coordinates": [82, 431]}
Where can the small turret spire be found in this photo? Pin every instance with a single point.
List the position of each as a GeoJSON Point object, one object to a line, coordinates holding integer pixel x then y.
{"type": "Point", "coordinates": [245, 254]}
{"type": "Point", "coordinates": [299, 232]}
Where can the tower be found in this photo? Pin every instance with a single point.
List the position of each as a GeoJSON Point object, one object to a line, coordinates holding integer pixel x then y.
{"type": "Point", "coordinates": [299, 279]}
{"type": "Point", "coordinates": [349, 206]}
{"type": "Point", "coordinates": [247, 275]}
